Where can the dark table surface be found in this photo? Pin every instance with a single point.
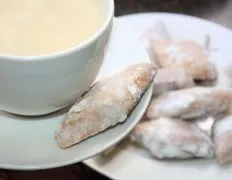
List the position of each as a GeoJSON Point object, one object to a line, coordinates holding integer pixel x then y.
{"type": "Point", "coordinates": [219, 11]}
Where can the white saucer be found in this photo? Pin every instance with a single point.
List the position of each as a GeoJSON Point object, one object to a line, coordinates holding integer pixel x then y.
{"type": "Point", "coordinates": [28, 143]}
{"type": "Point", "coordinates": [131, 162]}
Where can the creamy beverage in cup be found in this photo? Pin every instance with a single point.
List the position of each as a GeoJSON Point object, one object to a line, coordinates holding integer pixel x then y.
{"type": "Point", "coordinates": [45, 26]}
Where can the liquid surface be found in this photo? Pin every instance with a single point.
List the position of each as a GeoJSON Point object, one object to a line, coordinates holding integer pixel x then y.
{"type": "Point", "coordinates": [40, 27]}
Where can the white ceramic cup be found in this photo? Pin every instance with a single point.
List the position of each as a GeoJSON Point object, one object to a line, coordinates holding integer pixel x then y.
{"type": "Point", "coordinates": [37, 85]}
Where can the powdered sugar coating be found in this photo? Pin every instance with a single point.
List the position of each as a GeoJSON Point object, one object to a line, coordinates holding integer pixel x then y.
{"type": "Point", "coordinates": [183, 54]}
{"type": "Point", "coordinates": [223, 126]}
{"type": "Point", "coordinates": [169, 79]}
{"type": "Point", "coordinates": [107, 103]}
{"type": "Point", "coordinates": [222, 139]}
{"type": "Point", "coordinates": [168, 138]}
{"type": "Point", "coordinates": [191, 103]}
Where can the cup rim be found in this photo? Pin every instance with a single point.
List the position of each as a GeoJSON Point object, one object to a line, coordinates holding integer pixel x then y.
{"type": "Point", "coordinates": [67, 51]}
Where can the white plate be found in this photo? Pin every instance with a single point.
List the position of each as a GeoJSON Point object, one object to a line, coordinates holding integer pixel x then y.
{"type": "Point", "coordinates": [28, 143]}
{"type": "Point", "coordinates": [130, 162]}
